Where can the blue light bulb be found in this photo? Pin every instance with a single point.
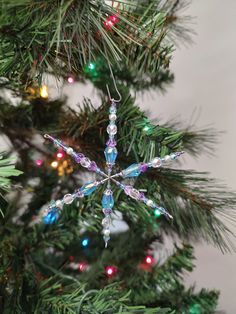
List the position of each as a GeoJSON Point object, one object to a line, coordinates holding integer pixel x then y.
{"type": "Point", "coordinates": [85, 242]}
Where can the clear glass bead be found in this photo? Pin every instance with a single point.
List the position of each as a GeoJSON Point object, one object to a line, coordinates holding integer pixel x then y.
{"type": "Point", "coordinates": [112, 129]}
{"type": "Point", "coordinates": [112, 109]}
{"type": "Point", "coordinates": [59, 203]}
{"type": "Point", "coordinates": [106, 232]}
{"type": "Point", "coordinates": [106, 222]}
{"type": "Point", "coordinates": [150, 203]}
{"type": "Point", "coordinates": [112, 117]}
{"type": "Point", "coordinates": [69, 150]}
{"type": "Point", "coordinates": [68, 199]}
{"type": "Point", "coordinates": [156, 162]}
{"type": "Point", "coordinates": [167, 158]}
{"type": "Point", "coordinates": [135, 194]}
{"type": "Point", "coordinates": [85, 162]}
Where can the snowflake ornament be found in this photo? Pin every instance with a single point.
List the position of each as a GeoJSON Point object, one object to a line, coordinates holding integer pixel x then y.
{"type": "Point", "coordinates": [108, 178]}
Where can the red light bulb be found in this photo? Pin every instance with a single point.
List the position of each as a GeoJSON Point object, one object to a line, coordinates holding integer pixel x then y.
{"type": "Point", "coordinates": [149, 259]}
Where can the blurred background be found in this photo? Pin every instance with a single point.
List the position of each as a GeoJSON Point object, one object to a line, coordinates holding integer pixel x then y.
{"type": "Point", "coordinates": [203, 94]}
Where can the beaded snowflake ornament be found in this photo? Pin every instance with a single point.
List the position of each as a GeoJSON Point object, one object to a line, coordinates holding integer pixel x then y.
{"type": "Point", "coordinates": [134, 170]}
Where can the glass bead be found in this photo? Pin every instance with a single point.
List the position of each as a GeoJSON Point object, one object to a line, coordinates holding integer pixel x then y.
{"type": "Point", "coordinates": [112, 129]}
{"type": "Point", "coordinates": [132, 171]}
{"type": "Point", "coordinates": [111, 142]}
{"type": "Point", "coordinates": [107, 199]}
{"type": "Point", "coordinates": [88, 188]}
{"type": "Point", "coordinates": [156, 162]}
{"type": "Point", "coordinates": [93, 166]}
{"type": "Point", "coordinates": [150, 203]}
{"type": "Point", "coordinates": [51, 216]}
{"type": "Point", "coordinates": [78, 157]}
{"type": "Point", "coordinates": [106, 232]}
{"type": "Point", "coordinates": [59, 203]}
{"type": "Point", "coordinates": [135, 194]}
{"type": "Point", "coordinates": [112, 109]}
{"type": "Point", "coordinates": [69, 150]}
{"type": "Point", "coordinates": [106, 222]}
{"type": "Point", "coordinates": [107, 211]}
{"type": "Point", "coordinates": [173, 156]}
{"type": "Point", "coordinates": [68, 199]}
{"type": "Point", "coordinates": [110, 154]}
{"type": "Point", "coordinates": [106, 238]}
{"type": "Point", "coordinates": [143, 167]}
{"type": "Point", "coordinates": [167, 158]}
{"type": "Point", "coordinates": [112, 117]}
{"type": "Point", "coordinates": [85, 162]}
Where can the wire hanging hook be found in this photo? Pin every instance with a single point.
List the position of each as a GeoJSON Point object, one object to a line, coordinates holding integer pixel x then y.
{"type": "Point", "coordinates": [114, 82]}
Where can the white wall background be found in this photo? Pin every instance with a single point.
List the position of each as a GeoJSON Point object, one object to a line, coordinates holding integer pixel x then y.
{"type": "Point", "coordinates": [206, 80]}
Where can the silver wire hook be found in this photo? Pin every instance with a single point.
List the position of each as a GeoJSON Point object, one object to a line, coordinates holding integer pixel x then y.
{"type": "Point", "coordinates": [114, 82]}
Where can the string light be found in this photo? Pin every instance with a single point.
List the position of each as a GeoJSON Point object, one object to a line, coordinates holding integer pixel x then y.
{"type": "Point", "coordinates": [157, 213]}
{"type": "Point", "coordinates": [85, 242]}
{"type": "Point", "coordinates": [149, 259]}
{"type": "Point", "coordinates": [44, 91]}
{"type": "Point", "coordinates": [70, 79]}
{"type": "Point", "coordinates": [82, 266]}
{"type": "Point", "coordinates": [111, 270]}
{"type": "Point", "coordinates": [91, 66]}
{"type": "Point", "coordinates": [54, 164]}
{"type": "Point", "coordinates": [110, 21]}
{"type": "Point", "coordinates": [146, 128]}
{"type": "Point", "coordinates": [39, 162]}
{"type": "Point", "coordinates": [60, 154]}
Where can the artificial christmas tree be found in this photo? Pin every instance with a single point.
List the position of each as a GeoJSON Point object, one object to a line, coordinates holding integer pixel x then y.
{"type": "Point", "coordinates": [58, 264]}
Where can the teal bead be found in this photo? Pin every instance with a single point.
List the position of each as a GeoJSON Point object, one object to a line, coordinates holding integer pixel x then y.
{"type": "Point", "coordinates": [110, 154]}
{"type": "Point", "coordinates": [107, 199]}
{"type": "Point", "coordinates": [132, 171]}
{"type": "Point", "coordinates": [88, 188]}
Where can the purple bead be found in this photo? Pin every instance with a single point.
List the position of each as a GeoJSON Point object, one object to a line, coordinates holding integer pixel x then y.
{"type": "Point", "coordinates": [93, 166]}
{"type": "Point", "coordinates": [128, 189]}
{"type": "Point", "coordinates": [111, 142]}
{"type": "Point", "coordinates": [78, 157]}
{"type": "Point", "coordinates": [107, 211]}
{"type": "Point", "coordinates": [143, 167]}
{"type": "Point", "coordinates": [142, 197]}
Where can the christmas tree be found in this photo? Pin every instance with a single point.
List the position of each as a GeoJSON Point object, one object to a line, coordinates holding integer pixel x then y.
{"type": "Point", "coordinates": [52, 256]}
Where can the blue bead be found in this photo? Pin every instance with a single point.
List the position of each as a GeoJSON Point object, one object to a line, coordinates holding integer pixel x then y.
{"type": "Point", "coordinates": [88, 188]}
{"type": "Point", "coordinates": [110, 154]}
{"type": "Point", "coordinates": [52, 216]}
{"type": "Point", "coordinates": [132, 171]}
{"type": "Point", "coordinates": [107, 199]}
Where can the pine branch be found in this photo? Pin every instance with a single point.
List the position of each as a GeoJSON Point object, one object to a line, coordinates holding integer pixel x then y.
{"type": "Point", "coordinates": [65, 36]}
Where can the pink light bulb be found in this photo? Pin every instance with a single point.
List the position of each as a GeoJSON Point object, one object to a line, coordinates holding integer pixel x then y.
{"type": "Point", "coordinates": [110, 270]}
{"type": "Point", "coordinates": [60, 154]}
{"type": "Point", "coordinates": [39, 162]}
{"type": "Point", "coordinates": [70, 80]}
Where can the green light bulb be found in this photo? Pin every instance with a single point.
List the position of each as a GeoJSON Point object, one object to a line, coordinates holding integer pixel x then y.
{"type": "Point", "coordinates": [91, 66]}
{"type": "Point", "coordinates": [146, 128]}
{"type": "Point", "coordinates": [157, 213]}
